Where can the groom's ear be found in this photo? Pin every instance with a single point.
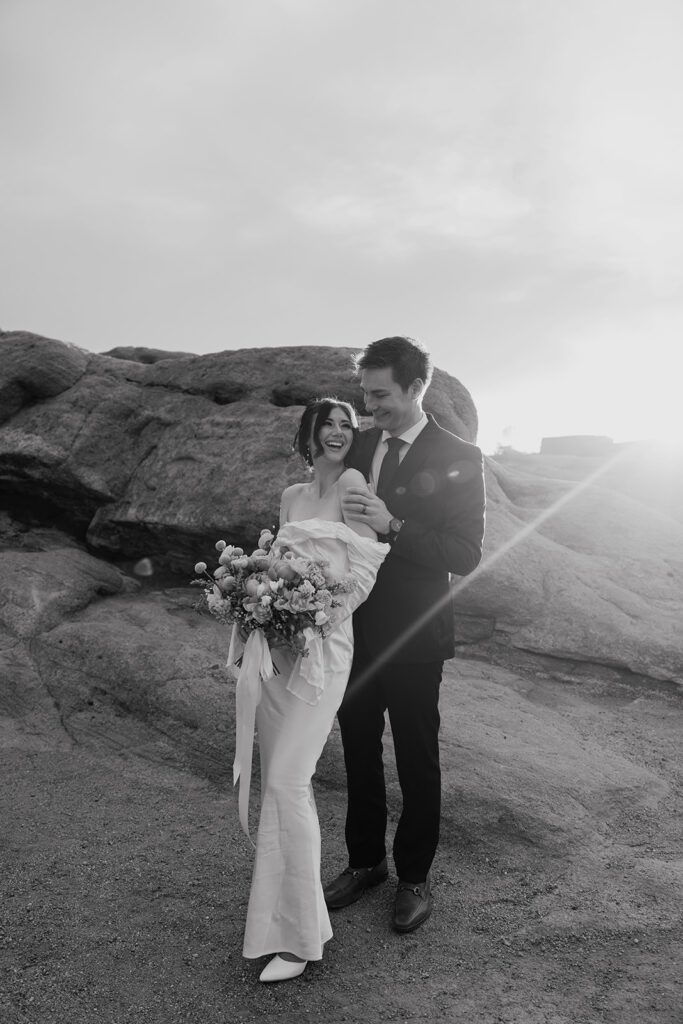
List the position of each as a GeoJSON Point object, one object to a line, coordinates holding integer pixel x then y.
{"type": "Point", "coordinates": [416, 388]}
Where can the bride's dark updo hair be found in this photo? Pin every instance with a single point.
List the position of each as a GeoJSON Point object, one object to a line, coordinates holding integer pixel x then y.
{"type": "Point", "coordinates": [312, 419]}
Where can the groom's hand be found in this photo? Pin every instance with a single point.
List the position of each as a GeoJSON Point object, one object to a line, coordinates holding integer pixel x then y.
{"type": "Point", "coordinates": [362, 506]}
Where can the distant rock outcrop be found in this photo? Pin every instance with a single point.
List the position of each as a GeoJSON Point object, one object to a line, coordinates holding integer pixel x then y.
{"type": "Point", "coordinates": [140, 354]}
{"type": "Point", "coordinates": [579, 444]}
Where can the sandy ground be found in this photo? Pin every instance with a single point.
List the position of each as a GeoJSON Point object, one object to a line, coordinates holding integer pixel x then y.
{"type": "Point", "coordinates": [558, 884]}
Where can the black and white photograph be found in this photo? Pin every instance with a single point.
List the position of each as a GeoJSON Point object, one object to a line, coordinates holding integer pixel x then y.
{"type": "Point", "coordinates": [341, 512]}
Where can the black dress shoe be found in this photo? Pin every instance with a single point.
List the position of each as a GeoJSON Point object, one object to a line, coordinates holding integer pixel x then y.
{"type": "Point", "coordinates": [352, 883]}
{"type": "Point", "coordinates": [413, 905]}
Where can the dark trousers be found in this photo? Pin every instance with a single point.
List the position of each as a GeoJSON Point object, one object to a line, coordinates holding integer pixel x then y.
{"type": "Point", "coordinates": [411, 695]}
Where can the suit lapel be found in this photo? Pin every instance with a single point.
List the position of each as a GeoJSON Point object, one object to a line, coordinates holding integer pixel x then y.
{"type": "Point", "coordinates": [415, 456]}
{"type": "Point", "coordinates": [366, 450]}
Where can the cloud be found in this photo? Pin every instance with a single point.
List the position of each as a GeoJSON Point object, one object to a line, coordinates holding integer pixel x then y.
{"type": "Point", "coordinates": [394, 209]}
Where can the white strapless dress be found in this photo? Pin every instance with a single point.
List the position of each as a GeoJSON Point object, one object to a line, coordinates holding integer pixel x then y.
{"type": "Point", "coordinates": [296, 712]}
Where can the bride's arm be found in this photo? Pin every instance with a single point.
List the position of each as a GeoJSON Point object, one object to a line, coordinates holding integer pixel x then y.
{"type": "Point", "coordinates": [285, 502]}
{"type": "Point", "coordinates": [353, 478]}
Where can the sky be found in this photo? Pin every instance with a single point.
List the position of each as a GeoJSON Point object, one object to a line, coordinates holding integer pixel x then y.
{"type": "Point", "coordinates": [502, 179]}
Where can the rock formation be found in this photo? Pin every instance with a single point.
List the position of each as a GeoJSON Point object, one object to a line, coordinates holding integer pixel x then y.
{"type": "Point", "coordinates": [583, 444]}
{"type": "Point", "coordinates": [581, 562]}
{"type": "Point", "coordinates": [106, 460]}
{"type": "Point", "coordinates": [160, 458]}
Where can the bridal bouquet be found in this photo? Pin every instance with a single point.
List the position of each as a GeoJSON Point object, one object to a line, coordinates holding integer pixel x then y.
{"type": "Point", "coordinates": [272, 590]}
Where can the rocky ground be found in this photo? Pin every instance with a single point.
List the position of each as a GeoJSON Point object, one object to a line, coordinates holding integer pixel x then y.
{"type": "Point", "coordinates": [558, 884]}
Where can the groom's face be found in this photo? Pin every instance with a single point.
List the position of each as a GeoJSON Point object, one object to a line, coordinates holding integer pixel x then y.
{"type": "Point", "coordinates": [391, 407]}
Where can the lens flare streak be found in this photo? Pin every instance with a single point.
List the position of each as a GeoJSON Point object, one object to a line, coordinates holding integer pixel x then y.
{"type": "Point", "coordinates": [488, 562]}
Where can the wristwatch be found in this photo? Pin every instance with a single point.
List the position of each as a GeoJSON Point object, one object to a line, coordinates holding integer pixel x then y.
{"type": "Point", "coordinates": [394, 529]}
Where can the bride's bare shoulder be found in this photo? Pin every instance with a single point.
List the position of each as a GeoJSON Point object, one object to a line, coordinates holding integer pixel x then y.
{"type": "Point", "coordinates": [351, 478]}
{"type": "Point", "coordinates": [289, 498]}
{"type": "Point", "coordinates": [292, 490]}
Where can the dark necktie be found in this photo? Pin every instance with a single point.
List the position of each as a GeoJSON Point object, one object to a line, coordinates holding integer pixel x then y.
{"type": "Point", "coordinates": [389, 466]}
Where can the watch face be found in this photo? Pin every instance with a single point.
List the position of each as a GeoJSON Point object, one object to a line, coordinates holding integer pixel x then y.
{"type": "Point", "coordinates": [395, 525]}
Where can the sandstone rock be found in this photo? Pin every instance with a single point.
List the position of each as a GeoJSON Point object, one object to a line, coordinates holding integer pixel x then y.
{"type": "Point", "coordinates": [140, 456]}
{"type": "Point", "coordinates": [149, 659]}
{"type": "Point", "coordinates": [158, 460]}
{"type": "Point", "coordinates": [40, 589]}
{"type": "Point", "coordinates": [161, 458]}
{"type": "Point", "coordinates": [28, 714]}
{"type": "Point", "coordinates": [140, 354]}
{"type": "Point", "coordinates": [545, 780]}
{"type": "Point", "coordinates": [89, 655]}
{"type": "Point", "coordinates": [32, 368]}
{"type": "Point", "coordinates": [581, 444]}
{"type": "Point", "coordinates": [577, 569]}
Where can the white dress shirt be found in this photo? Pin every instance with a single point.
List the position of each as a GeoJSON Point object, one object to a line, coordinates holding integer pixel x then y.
{"type": "Point", "coordinates": [408, 436]}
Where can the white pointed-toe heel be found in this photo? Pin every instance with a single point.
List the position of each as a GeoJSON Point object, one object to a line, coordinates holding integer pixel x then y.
{"type": "Point", "coordinates": [282, 970]}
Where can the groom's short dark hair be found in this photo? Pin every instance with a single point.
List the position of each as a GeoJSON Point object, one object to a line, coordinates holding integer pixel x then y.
{"type": "Point", "coordinates": [408, 359]}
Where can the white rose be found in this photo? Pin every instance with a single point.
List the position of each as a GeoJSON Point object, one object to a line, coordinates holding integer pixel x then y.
{"type": "Point", "coordinates": [200, 567]}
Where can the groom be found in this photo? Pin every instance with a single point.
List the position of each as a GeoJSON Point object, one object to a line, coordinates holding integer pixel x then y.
{"type": "Point", "coordinates": [428, 503]}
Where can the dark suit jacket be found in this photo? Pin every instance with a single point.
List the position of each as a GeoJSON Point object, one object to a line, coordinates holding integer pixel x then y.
{"type": "Point", "coordinates": [438, 491]}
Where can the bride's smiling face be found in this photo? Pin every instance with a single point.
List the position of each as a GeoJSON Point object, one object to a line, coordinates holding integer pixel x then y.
{"type": "Point", "coordinates": [333, 437]}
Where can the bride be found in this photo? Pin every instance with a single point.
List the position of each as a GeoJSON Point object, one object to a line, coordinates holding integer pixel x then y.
{"type": "Point", "coordinates": [287, 915]}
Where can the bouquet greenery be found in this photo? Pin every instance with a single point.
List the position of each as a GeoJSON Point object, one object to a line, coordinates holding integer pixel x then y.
{"type": "Point", "coordinates": [273, 590]}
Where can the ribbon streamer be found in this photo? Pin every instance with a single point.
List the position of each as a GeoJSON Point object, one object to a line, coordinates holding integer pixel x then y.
{"type": "Point", "coordinates": [257, 665]}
